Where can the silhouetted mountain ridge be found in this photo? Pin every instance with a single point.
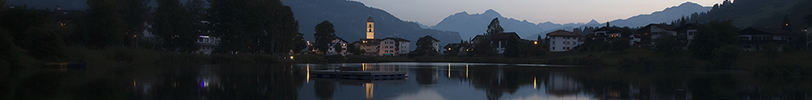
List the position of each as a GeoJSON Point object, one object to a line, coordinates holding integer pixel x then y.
{"type": "Point", "coordinates": [349, 19]}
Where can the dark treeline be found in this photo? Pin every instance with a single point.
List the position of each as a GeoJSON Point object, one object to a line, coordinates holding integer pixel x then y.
{"type": "Point", "coordinates": [244, 26]}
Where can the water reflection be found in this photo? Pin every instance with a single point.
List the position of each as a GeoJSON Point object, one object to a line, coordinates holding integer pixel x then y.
{"type": "Point", "coordinates": [463, 81]}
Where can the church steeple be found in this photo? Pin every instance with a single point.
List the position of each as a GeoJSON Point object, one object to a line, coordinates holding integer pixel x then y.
{"type": "Point", "coordinates": [370, 28]}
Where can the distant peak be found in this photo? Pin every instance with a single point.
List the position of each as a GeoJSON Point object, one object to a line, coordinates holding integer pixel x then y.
{"type": "Point", "coordinates": [689, 4]}
{"type": "Point", "coordinates": [593, 22]}
{"type": "Point", "coordinates": [491, 12]}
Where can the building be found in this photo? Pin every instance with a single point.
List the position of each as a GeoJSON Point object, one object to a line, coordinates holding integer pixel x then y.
{"type": "Point", "coordinates": [808, 32]}
{"type": "Point", "coordinates": [393, 47]}
{"type": "Point", "coordinates": [686, 33]}
{"type": "Point", "coordinates": [760, 38]}
{"type": "Point", "coordinates": [370, 28]}
{"type": "Point", "coordinates": [338, 47]}
{"type": "Point", "coordinates": [501, 40]}
{"type": "Point", "coordinates": [497, 40]}
{"type": "Point", "coordinates": [562, 40]}
{"type": "Point", "coordinates": [207, 44]}
{"type": "Point", "coordinates": [367, 46]}
{"type": "Point", "coordinates": [652, 32]}
{"type": "Point", "coordinates": [606, 33]}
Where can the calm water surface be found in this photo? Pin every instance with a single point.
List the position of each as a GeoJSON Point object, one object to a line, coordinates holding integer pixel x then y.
{"type": "Point", "coordinates": [426, 81]}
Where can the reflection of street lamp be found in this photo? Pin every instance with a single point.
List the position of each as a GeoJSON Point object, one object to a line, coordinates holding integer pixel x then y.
{"type": "Point", "coordinates": [369, 91]}
{"type": "Point", "coordinates": [534, 82]}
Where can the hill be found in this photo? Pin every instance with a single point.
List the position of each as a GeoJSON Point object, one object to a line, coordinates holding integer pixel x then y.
{"type": "Point", "coordinates": [349, 19]}
{"type": "Point", "coordinates": [470, 25]}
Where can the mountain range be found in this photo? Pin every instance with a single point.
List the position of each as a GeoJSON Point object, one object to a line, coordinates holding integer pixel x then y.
{"type": "Point", "coordinates": [470, 25]}
{"type": "Point", "coordinates": [349, 19]}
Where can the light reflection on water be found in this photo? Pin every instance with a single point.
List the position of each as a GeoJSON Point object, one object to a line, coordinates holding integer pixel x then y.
{"type": "Point", "coordinates": [463, 81]}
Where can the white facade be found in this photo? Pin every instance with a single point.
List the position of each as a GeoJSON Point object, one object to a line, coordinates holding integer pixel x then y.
{"type": "Point", "coordinates": [657, 32]}
{"type": "Point", "coordinates": [393, 46]}
{"type": "Point", "coordinates": [563, 43]}
{"type": "Point", "coordinates": [436, 46]}
{"type": "Point", "coordinates": [387, 46]}
{"type": "Point", "coordinates": [404, 47]}
{"type": "Point", "coordinates": [207, 44]}
{"type": "Point", "coordinates": [337, 51]}
{"type": "Point", "coordinates": [755, 47]}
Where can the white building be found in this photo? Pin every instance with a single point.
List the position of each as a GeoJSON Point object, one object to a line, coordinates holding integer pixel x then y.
{"type": "Point", "coordinates": [207, 44]}
{"type": "Point", "coordinates": [652, 32]}
{"type": "Point", "coordinates": [758, 38]}
{"type": "Point", "coordinates": [435, 44]}
{"type": "Point", "coordinates": [393, 47]}
{"type": "Point", "coordinates": [562, 40]}
{"type": "Point", "coordinates": [338, 42]}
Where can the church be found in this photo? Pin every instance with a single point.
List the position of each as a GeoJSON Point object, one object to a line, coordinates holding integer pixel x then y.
{"type": "Point", "coordinates": [390, 46]}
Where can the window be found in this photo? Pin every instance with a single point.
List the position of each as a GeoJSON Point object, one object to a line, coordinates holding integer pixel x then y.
{"type": "Point", "coordinates": [370, 25]}
{"type": "Point", "coordinates": [370, 30]}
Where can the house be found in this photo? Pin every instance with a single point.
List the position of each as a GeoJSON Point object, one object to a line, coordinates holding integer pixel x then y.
{"type": "Point", "coordinates": [562, 40]}
{"type": "Point", "coordinates": [652, 32]}
{"type": "Point", "coordinates": [497, 40]}
{"type": "Point", "coordinates": [337, 47]}
{"type": "Point", "coordinates": [368, 46]}
{"type": "Point", "coordinates": [501, 40]}
{"type": "Point", "coordinates": [759, 38]}
{"type": "Point", "coordinates": [686, 33]}
{"type": "Point", "coordinates": [606, 33]}
{"type": "Point", "coordinates": [435, 44]}
{"type": "Point", "coordinates": [393, 47]}
{"type": "Point", "coordinates": [207, 43]}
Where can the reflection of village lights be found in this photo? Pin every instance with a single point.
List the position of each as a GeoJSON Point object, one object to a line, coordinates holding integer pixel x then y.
{"type": "Point", "coordinates": [363, 66]}
{"type": "Point", "coordinates": [133, 82]}
{"type": "Point", "coordinates": [308, 71]}
{"type": "Point", "coordinates": [534, 83]}
{"type": "Point", "coordinates": [204, 84]}
{"type": "Point", "coordinates": [466, 70]}
{"type": "Point", "coordinates": [369, 91]}
{"type": "Point", "coordinates": [449, 70]}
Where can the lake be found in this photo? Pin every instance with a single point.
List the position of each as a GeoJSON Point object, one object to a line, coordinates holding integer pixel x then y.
{"type": "Point", "coordinates": [425, 81]}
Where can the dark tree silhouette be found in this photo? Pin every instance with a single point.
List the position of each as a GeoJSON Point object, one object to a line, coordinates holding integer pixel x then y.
{"type": "Point", "coordinates": [325, 34]}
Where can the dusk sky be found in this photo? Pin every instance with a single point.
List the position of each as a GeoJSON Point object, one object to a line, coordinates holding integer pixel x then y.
{"type": "Point", "coordinates": [431, 12]}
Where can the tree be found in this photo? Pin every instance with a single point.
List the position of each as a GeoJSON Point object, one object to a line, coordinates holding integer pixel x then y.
{"type": "Point", "coordinates": [483, 48]}
{"type": "Point", "coordinates": [257, 26]}
{"type": "Point", "coordinates": [620, 44]}
{"type": "Point", "coordinates": [104, 24]}
{"type": "Point", "coordinates": [325, 34]}
{"type": "Point", "coordinates": [513, 48]}
{"type": "Point", "coordinates": [494, 27]}
{"type": "Point", "coordinates": [712, 35]}
{"type": "Point", "coordinates": [175, 27]}
{"type": "Point", "coordinates": [354, 50]}
{"type": "Point", "coordinates": [425, 46]}
{"type": "Point", "coordinates": [133, 13]}
{"type": "Point", "coordinates": [667, 44]}
{"type": "Point", "coordinates": [725, 56]}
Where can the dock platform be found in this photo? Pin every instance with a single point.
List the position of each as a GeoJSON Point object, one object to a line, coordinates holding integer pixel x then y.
{"type": "Point", "coordinates": [359, 75]}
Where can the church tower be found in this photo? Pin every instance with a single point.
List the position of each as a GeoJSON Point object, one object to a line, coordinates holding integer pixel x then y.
{"type": "Point", "coordinates": [370, 28]}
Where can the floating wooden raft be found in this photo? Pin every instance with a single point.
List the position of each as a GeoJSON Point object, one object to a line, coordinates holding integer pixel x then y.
{"type": "Point", "coordinates": [359, 75]}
